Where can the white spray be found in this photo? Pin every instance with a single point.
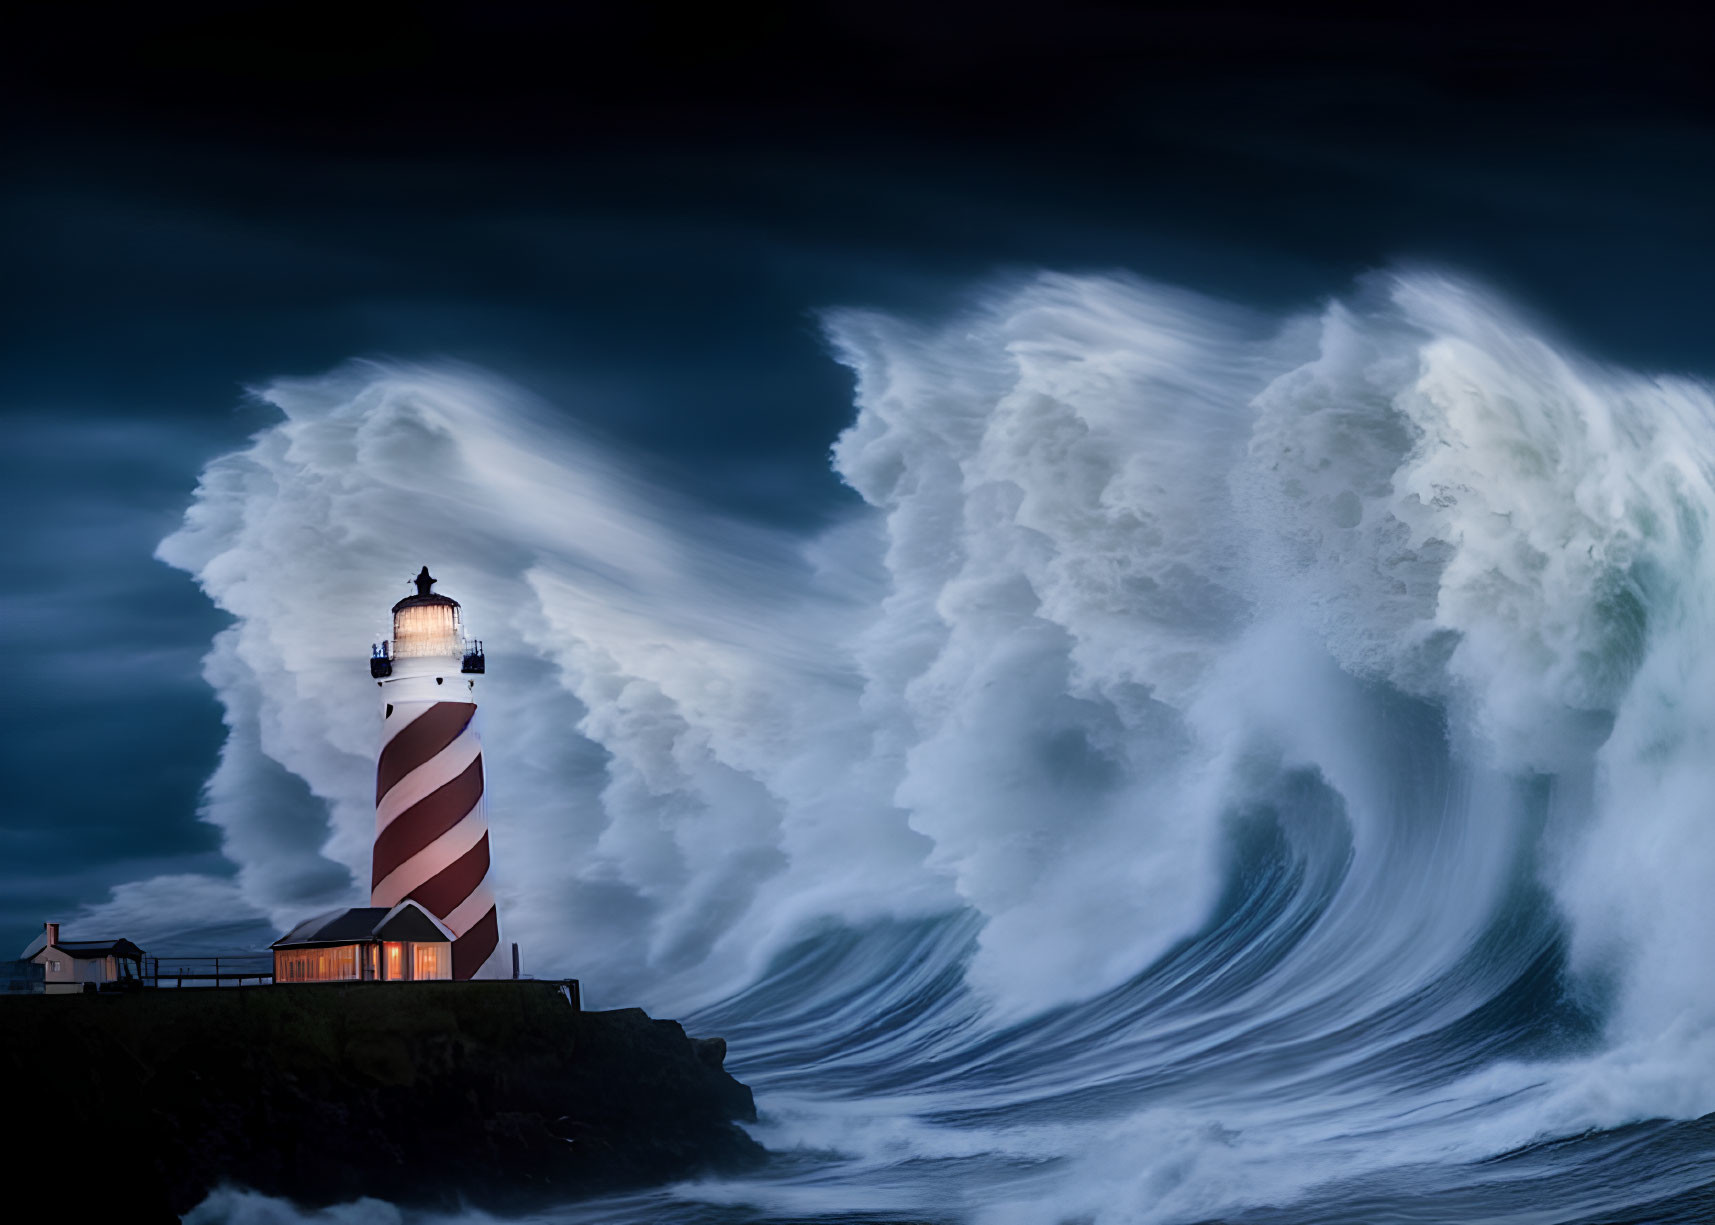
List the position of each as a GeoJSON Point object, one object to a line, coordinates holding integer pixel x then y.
{"type": "Point", "coordinates": [1129, 560]}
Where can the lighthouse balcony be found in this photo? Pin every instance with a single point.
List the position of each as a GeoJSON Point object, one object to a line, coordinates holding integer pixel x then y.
{"type": "Point", "coordinates": [473, 660]}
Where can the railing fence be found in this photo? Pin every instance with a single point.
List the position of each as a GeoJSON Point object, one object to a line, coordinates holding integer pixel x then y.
{"type": "Point", "coordinates": [238, 971]}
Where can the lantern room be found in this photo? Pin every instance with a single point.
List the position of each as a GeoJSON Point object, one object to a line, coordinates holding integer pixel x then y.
{"type": "Point", "coordinates": [427, 624]}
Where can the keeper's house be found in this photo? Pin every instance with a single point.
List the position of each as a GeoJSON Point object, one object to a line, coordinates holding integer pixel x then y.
{"type": "Point", "coordinates": [83, 965]}
{"type": "Point", "coordinates": [366, 944]}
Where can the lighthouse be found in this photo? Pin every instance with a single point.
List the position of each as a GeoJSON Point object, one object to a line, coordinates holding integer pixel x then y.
{"type": "Point", "coordinates": [431, 822]}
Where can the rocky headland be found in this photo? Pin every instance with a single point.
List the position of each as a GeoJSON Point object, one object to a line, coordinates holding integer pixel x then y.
{"type": "Point", "coordinates": [500, 1095]}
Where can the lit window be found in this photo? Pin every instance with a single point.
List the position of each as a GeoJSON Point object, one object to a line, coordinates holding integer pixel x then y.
{"type": "Point", "coordinates": [427, 629]}
{"type": "Point", "coordinates": [317, 965]}
{"type": "Point", "coordinates": [429, 961]}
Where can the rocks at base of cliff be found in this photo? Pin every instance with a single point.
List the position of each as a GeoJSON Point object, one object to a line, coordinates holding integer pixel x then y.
{"type": "Point", "coordinates": [434, 1094]}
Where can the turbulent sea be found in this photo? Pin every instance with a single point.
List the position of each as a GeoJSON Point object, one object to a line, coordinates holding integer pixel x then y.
{"type": "Point", "coordinates": [1218, 768]}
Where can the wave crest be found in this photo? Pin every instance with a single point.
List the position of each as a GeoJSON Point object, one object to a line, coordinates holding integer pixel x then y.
{"type": "Point", "coordinates": [1284, 694]}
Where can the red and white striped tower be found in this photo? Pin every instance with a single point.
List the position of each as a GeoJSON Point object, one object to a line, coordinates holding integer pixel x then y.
{"type": "Point", "coordinates": [431, 824]}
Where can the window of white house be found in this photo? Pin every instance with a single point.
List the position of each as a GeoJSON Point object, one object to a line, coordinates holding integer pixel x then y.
{"type": "Point", "coordinates": [54, 966]}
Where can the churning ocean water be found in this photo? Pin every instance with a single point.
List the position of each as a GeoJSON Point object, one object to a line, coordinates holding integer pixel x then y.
{"type": "Point", "coordinates": [1222, 768]}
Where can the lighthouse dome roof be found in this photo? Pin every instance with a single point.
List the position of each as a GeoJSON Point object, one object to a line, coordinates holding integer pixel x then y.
{"type": "Point", "coordinates": [425, 596]}
{"type": "Point", "coordinates": [420, 601]}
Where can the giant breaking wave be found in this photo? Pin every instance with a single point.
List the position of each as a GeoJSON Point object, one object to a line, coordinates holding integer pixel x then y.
{"type": "Point", "coordinates": [1223, 762]}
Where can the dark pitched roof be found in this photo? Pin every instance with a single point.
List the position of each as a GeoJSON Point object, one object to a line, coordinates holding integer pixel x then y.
{"type": "Point", "coordinates": [336, 927]}
{"type": "Point", "coordinates": [89, 949]}
{"type": "Point", "coordinates": [410, 922]}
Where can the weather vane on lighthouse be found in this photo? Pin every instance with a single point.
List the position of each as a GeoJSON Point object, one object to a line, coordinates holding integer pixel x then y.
{"type": "Point", "coordinates": [431, 822]}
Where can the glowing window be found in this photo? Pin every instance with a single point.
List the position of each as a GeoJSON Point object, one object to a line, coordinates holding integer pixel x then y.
{"type": "Point", "coordinates": [429, 961]}
{"type": "Point", "coordinates": [316, 965]}
{"type": "Point", "coordinates": [427, 629]}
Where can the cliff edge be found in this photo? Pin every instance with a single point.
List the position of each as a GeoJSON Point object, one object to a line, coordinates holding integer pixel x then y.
{"type": "Point", "coordinates": [496, 1094]}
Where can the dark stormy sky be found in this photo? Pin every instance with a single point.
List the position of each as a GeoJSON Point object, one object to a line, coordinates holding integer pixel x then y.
{"type": "Point", "coordinates": [647, 208]}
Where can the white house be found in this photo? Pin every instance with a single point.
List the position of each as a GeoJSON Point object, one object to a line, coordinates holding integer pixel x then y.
{"type": "Point", "coordinates": [84, 965]}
